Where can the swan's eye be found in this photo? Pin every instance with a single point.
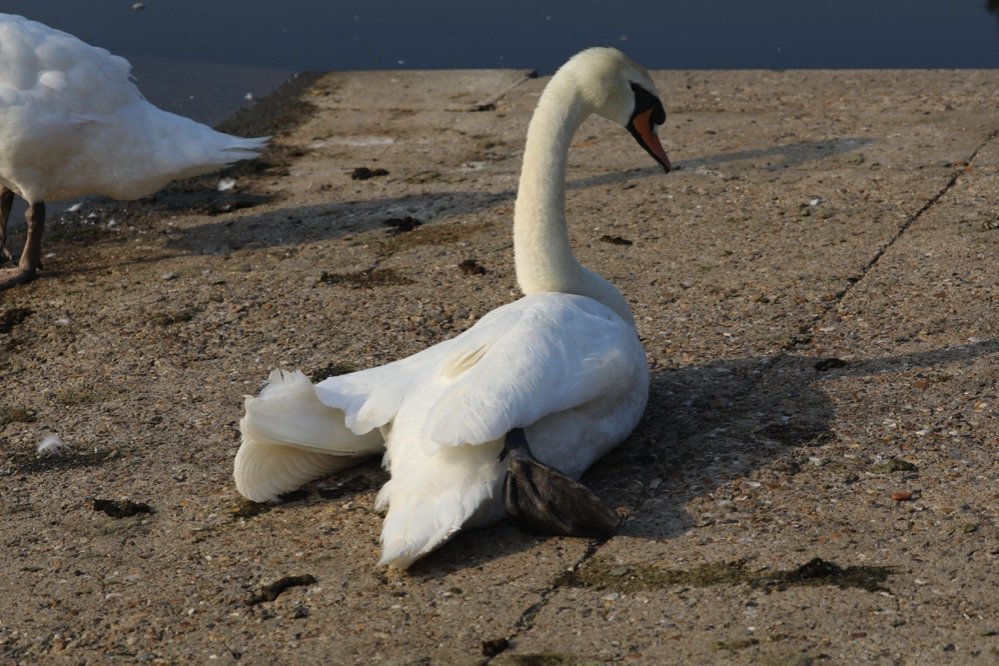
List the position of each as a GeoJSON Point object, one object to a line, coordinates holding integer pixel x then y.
{"type": "Point", "coordinates": [646, 101]}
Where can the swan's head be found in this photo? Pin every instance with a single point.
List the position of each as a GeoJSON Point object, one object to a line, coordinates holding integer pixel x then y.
{"type": "Point", "coordinates": [618, 88]}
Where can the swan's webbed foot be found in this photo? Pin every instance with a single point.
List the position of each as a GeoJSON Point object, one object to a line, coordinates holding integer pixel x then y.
{"type": "Point", "coordinates": [543, 500]}
{"type": "Point", "coordinates": [31, 258]}
{"type": "Point", "coordinates": [11, 277]}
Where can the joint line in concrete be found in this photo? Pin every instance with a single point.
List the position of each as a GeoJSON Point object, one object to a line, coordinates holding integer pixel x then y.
{"type": "Point", "coordinates": [906, 225]}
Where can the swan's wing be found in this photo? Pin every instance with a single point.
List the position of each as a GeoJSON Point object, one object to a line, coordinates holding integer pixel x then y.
{"type": "Point", "coordinates": [554, 353]}
{"type": "Point", "coordinates": [60, 72]}
{"type": "Point", "coordinates": [371, 398]}
{"type": "Point", "coordinates": [540, 355]}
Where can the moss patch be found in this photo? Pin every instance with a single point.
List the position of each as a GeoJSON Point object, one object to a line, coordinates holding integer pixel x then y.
{"type": "Point", "coordinates": [120, 508]}
{"type": "Point", "coordinates": [250, 509]}
{"type": "Point", "coordinates": [30, 463]}
{"type": "Point", "coordinates": [545, 659]}
{"type": "Point", "coordinates": [366, 279]}
{"type": "Point", "coordinates": [736, 644]}
{"type": "Point", "coordinates": [893, 465]}
{"type": "Point", "coordinates": [601, 574]}
{"type": "Point", "coordinates": [13, 317]}
{"type": "Point", "coordinates": [177, 317]}
{"type": "Point", "coordinates": [427, 234]}
{"type": "Point", "coordinates": [273, 590]}
{"type": "Point", "coordinates": [15, 414]}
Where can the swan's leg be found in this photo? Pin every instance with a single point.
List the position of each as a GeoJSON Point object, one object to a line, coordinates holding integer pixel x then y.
{"type": "Point", "coordinates": [31, 258]}
{"type": "Point", "coordinates": [6, 202]}
{"type": "Point", "coordinates": [542, 499]}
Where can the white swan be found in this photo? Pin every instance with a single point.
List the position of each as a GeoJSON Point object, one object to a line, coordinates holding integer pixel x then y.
{"type": "Point", "coordinates": [562, 368]}
{"type": "Point", "coordinates": [73, 123]}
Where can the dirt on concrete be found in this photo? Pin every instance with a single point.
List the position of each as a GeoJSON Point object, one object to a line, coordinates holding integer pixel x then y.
{"type": "Point", "coordinates": [816, 478]}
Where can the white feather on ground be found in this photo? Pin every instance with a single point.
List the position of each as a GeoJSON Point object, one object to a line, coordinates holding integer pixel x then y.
{"type": "Point", "coordinates": [51, 445]}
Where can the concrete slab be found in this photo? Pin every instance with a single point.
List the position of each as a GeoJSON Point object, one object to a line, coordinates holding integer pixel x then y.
{"type": "Point", "coordinates": [815, 290]}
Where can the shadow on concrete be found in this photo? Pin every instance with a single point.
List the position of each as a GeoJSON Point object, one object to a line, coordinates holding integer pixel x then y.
{"type": "Point", "coordinates": [299, 224]}
{"type": "Point", "coordinates": [705, 426]}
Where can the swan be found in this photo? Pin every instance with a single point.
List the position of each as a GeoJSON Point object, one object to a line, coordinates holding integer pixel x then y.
{"type": "Point", "coordinates": [503, 418]}
{"type": "Point", "coordinates": [73, 123]}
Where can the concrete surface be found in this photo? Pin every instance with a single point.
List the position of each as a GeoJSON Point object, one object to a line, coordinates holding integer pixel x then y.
{"type": "Point", "coordinates": [815, 288]}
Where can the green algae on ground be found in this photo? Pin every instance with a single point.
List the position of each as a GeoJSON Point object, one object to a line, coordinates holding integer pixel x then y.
{"type": "Point", "coordinates": [427, 234]}
{"type": "Point", "coordinates": [820, 572]}
{"type": "Point", "coordinates": [120, 508]}
{"type": "Point", "coordinates": [495, 646]}
{"type": "Point", "coordinates": [736, 643]}
{"type": "Point", "coordinates": [32, 463]}
{"type": "Point", "coordinates": [273, 590]}
{"type": "Point", "coordinates": [250, 509]}
{"type": "Point", "coordinates": [176, 317]}
{"type": "Point", "coordinates": [15, 414]}
{"type": "Point", "coordinates": [893, 465]}
{"type": "Point", "coordinates": [600, 574]}
{"type": "Point", "coordinates": [545, 659]}
{"type": "Point", "coordinates": [366, 279]}
{"type": "Point", "coordinates": [9, 319]}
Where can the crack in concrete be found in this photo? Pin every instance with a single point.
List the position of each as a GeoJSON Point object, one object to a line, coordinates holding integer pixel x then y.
{"type": "Point", "coordinates": [840, 295]}
{"type": "Point", "coordinates": [490, 103]}
{"type": "Point", "coordinates": [526, 619]}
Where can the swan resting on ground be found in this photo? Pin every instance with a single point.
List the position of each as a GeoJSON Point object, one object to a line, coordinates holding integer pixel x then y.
{"type": "Point", "coordinates": [502, 418]}
{"type": "Point", "coordinates": [73, 123]}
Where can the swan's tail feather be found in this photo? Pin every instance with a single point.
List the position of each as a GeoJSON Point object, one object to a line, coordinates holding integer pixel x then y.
{"type": "Point", "coordinates": [407, 535]}
{"type": "Point", "coordinates": [219, 150]}
{"type": "Point", "coordinates": [423, 513]}
{"type": "Point", "coordinates": [183, 148]}
{"type": "Point", "coordinates": [290, 438]}
{"type": "Point", "coordinates": [244, 149]}
{"type": "Point", "coordinates": [265, 471]}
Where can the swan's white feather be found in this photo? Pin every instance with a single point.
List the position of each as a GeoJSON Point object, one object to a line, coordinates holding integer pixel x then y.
{"type": "Point", "coordinates": [290, 437]}
{"type": "Point", "coordinates": [265, 470]}
{"type": "Point", "coordinates": [72, 123]}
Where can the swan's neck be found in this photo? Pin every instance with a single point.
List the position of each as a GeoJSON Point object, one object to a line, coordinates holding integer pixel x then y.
{"type": "Point", "coordinates": [542, 252]}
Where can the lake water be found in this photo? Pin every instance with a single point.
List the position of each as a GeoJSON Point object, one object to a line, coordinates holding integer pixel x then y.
{"type": "Point", "coordinates": [202, 57]}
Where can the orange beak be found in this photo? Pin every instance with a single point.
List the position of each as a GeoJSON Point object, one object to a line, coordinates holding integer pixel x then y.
{"type": "Point", "coordinates": [641, 128]}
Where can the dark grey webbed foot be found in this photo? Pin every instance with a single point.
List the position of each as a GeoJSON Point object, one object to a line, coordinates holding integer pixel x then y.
{"type": "Point", "coordinates": [543, 500]}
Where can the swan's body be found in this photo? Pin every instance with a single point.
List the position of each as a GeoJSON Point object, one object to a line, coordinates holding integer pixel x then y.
{"type": "Point", "coordinates": [564, 364]}
{"type": "Point", "coordinates": [564, 367]}
{"type": "Point", "coordinates": [73, 123]}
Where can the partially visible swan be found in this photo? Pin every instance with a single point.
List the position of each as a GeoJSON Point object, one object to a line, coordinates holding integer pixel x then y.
{"type": "Point", "coordinates": [73, 123]}
{"type": "Point", "coordinates": [560, 372]}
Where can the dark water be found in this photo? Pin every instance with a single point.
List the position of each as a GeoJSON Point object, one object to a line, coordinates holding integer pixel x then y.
{"type": "Point", "coordinates": [193, 48]}
{"type": "Point", "coordinates": [380, 34]}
